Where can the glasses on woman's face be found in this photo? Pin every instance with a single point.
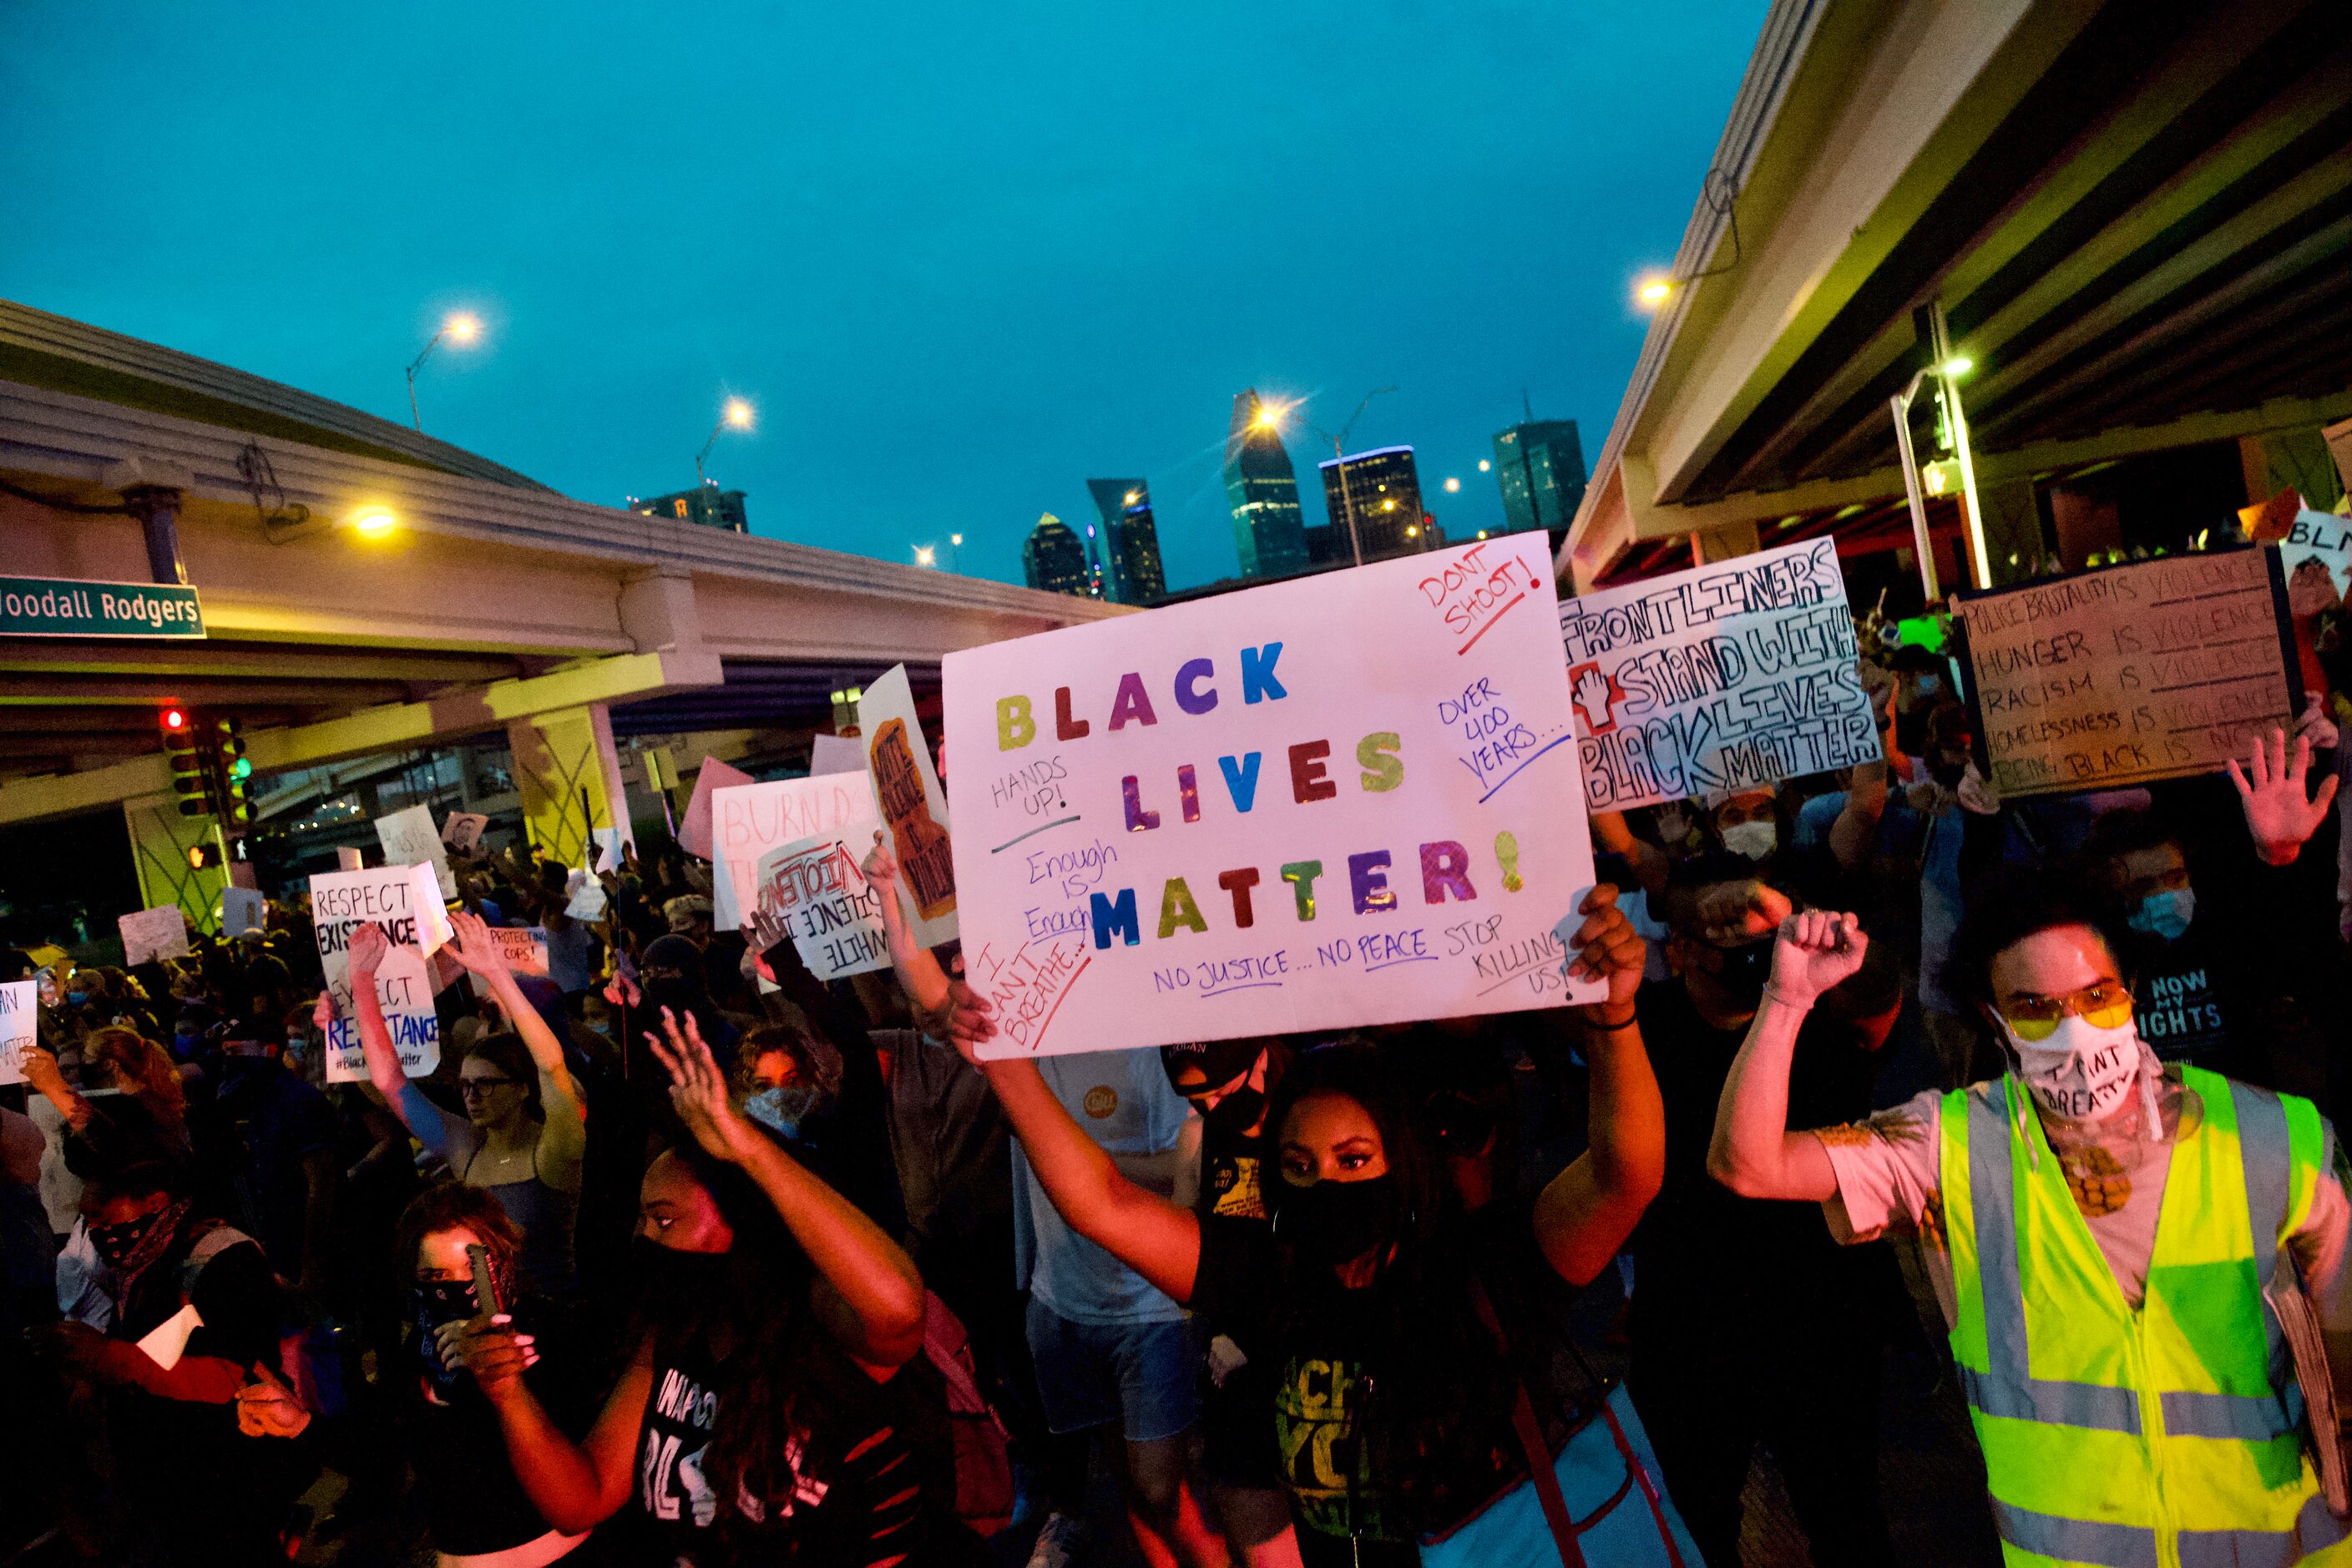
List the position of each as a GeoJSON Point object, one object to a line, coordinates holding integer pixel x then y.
{"type": "Point", "coordinates": [2104, 1006]}
{"type": "Point", "coordinates": [470, 1087]}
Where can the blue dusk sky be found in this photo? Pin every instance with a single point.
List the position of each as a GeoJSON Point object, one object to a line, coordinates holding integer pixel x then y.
{"type": "Point", "coordinates": [960, 258]}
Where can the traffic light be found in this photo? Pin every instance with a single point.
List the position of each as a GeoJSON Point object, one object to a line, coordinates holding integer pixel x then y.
{"type": "Point", "coordinates": [190, 777]}
{"type": "Point", "coordinates": [231, 769]}
{"type": "Point", "coordinates": [203, 857]}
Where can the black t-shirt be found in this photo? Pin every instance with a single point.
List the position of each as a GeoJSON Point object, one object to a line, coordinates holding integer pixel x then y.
{"type": "Point", "coordinates": [2185, 995]}
{"type": "Point", "coordinates": [1330, 1372]}
{"type": "Point", "coordinates": [1232, 1169]}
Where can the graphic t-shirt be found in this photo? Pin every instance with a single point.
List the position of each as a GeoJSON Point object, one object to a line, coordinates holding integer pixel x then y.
{"type": "Point", "coordinates": [2182, 997]}
{"type": "Point", "coordinates": [1231, 1165]}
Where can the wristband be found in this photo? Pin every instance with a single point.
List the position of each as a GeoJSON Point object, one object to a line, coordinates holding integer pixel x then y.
{"type": "Point", "coordinates": [1594, 1024]}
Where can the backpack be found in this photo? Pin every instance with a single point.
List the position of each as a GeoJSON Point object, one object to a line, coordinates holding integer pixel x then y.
{"type": "Point", "coordinates": [983, 1461]}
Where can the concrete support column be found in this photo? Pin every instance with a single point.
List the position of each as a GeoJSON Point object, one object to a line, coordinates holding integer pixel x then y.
{"type": "Point", "coordinates": [1713, 544]}
{"type": "Point", "coordinates": [2012, 528]}
{"type": "Point", "coordinates": [2290, 460]}
{"type": "Point", "coordinates": [160, 841]}
{"type": "Point", "coordinates": [569, 775]}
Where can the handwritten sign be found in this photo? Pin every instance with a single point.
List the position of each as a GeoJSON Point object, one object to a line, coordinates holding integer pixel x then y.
{"type": "Point", "coordinates": [461, 830]}
{"type": "Point", "coordinates": [242, 909]}
{"type": "Point", "coordinates": [1344, 800]}
{"type": "Point", "coordinates": [409, 839]}
{"type": "Point", "coordinates": [159, 933]}
{"type": "Point", "coordinates": [404, 901]}
{"type": "Point", "coordinates": [2153, 671]}
{"type": "Point", "coordinates": [835, 754]}
{"type": "Point", "coordinates": [694, 827]}
{"type": "Point", "coordinates": [908, 798]}
{"type": "Point", "coordinates": [2317, 555]}
{"type": "Point", "coordinates": [523, 947]}
{"type": "Point", "coordinates": [1723, 677]}
{"type": "Point", "coordinates": [20, 1022]}
{"type": "Point", "coordinates": [749, 820]}
{"type": "Point", "coordinates": [834, 916]}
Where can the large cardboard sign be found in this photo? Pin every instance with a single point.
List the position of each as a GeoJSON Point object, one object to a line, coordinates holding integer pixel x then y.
{"type": "Point", "coordinates": [836, 916]}
{"type": "Point", "coordinates": [1344, 800]}
{"type": "Point", "coordinates": [1723, 676]}
{"type": "Point", "coordinates": [2153, 671]}
{"type": "Point", "coordinates": [20, 1024]}
{"type": "Point", "coordinates": [404, 901]}
{"type": "Point", "coordinates": [159, 933]}
{"type": "Point", "coordinates": [749, 820]}
{"type": "Point", "coordinates": [912, 807]}
{"type": "Point", "coordinates": [409, 838]}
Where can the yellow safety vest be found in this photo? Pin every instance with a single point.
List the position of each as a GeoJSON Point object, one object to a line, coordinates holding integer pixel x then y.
{"type": "Point", "coordinates": [2166, 1437]}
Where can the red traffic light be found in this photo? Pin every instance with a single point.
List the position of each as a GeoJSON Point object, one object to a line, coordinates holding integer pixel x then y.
{"type": "Point", "coordinates": [174, 720]}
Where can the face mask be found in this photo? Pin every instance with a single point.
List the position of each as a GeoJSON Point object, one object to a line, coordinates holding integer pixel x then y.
{"type": "Point", "coordinates": [1237, 1114]}
{"type": "Point", "coordinates": [2081, 1072]}
{"type": "Point", "coordinates": [439, 1301]}
{"type": "Point", "coordinates": [2165, 913]}
{"type": "Point", "coordinates": [1745, 970]}
{"type": "Point", "coordinates": [76, 998]}
{"type": "Point", "coordinates": [787, 1109]}
{"type": "Point", "coordinates": [1910, 732]}
{"type": "Point", "coordinates": [1928, 684]}
{"type": "Point", "coordinates": [1755, 840]}
{"type": "Point", "coordinates": [672, 1284]}
{"type": "Point", "coordinates": [115, 1242]}
{"type": "Point", "coordinates": [183, 1041]}
{"type": "Point", "coordinates": [1332, 1223]}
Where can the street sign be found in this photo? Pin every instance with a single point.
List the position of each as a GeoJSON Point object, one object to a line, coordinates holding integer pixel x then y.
{"type": "Point", "coordinates": [67, 608]}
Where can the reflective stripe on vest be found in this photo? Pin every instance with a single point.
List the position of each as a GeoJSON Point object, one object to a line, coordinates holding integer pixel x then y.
{"type": "Point", "coordinates": [1983, 1223]}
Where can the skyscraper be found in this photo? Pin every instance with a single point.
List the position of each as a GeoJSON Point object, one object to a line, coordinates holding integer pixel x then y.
{"type": "Point", "coordinates": [1542, 459]}
{"type": "Point", "coordinates": [707, 504]}
{"type": "Point", "coordinates": [1052, 559]}
{"type": "Point", "coordinates": [1132, 574]}
{"type": "Point", "coordinates": [1269, 533]}
{"type": "Point", "coordinates": [1383, 490]}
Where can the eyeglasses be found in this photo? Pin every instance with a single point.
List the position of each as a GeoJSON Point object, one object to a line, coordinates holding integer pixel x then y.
{"type": "Point", "coordinates": [469, 1086]}
{"type": "Point", "coordinates": [2104, 1006]}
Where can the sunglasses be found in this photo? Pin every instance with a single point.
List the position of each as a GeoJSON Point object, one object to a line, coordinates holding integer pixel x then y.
{"type": "Point", "coordinates": [2105, 1006]}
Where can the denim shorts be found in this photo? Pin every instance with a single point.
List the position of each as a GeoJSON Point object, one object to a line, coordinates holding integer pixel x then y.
{"type": "Point", "coordinates": [1142, 1375]}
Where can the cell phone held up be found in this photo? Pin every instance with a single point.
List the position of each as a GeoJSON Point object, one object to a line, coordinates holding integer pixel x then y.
{"type": "Point", "coordinates": [486, 1289]}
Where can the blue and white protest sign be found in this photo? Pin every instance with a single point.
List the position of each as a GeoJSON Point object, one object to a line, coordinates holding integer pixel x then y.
{"type": "Point", "coordinates": [405, 903]}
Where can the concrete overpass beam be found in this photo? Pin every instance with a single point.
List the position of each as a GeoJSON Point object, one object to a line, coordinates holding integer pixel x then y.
{"type": "Point", "coordinates": [1713, 544]}
{"type": "Point", "coordinates": [2296, 460]}
{"type": "Point", "coordinates": [569, 775]}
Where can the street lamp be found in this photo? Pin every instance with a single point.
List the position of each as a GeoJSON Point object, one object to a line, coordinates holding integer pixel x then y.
{"type": "Point", "coordinates": [735, 415]}
{"type": "Point", "coordinates": [955, 554]}
{"type": "Point", "coordinates": [461, 328]}
{"type": "Point", "coordinates": [1339, 451]}
{"type": "Point", "coordinates": [1948, 366]}
{"type": "Point", "coordinates": [926, 556]}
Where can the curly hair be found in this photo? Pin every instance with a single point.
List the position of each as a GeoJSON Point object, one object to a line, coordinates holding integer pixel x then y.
{"type": "Point", "coordinates": [145, 1066]}
{"type": "Point", "coordinates": [453, 1205]}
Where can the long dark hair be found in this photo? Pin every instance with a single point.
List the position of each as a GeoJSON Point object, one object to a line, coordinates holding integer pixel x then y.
{"type": "Point", "coordinates": [1425, 1416]}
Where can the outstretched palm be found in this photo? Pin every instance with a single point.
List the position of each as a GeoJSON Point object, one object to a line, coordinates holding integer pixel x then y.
{"type": "Point", "coordinates": [698, 1089]}
{"type": "Point", "coordinates": [2271, 790]}
{"type": "Point", "coordinates": [475, 947]}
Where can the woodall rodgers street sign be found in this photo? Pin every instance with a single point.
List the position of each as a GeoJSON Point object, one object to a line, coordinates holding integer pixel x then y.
{"type": "Point", "coordinates": [62, 607]}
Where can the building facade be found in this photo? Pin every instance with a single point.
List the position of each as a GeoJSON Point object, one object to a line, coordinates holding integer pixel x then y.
{"type": "Point", "coordinates": [1540, 468]}
{"type": "Point", "coordinates": [709, 506]}
{"type": "Point", "coordinates": [1269, 531]}
{"type": "Point", "coordinates": [1052, 559]}
{"type": "Point", "coordinates": [1132, 574]}
{"type": "Point", "coordinates": [1383, 491]}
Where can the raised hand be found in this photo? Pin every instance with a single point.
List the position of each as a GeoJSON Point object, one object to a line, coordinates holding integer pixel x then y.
{"type": "Point", "coordinates": [2313, 724]}
{"type": "Point", "coordinates": [491, 1349]}
{"type": "Point", "coordinates": [698, 1090]}
{"type": "Point", "coordinates": [881, 866]}
{"type": "Point", "coordinates": [622, 992]}
{"type": "Point", "coordinates": [971, 1019]}
{"type": "Point", "coordinates": [267, 1408]}
{"type": "Point", "coordinates": [369, 948]}
{"type": "Point", "coordinates": [323, 1017]}
{"type": "Point", "coordinates": [766, 928]}
{"type": "Point", "coordinates": [475, 948]}
{"type": "Point", "coordinates": [1591, 695]}
{"type": "Point", "coordinates": [2270, 791]}
{"type": "Point", "coordinates": [1608, 948]}
{"type": "Point", "coordinates": [1816, 949]}
{"type": "Point", "coordinates": [1730, 913]}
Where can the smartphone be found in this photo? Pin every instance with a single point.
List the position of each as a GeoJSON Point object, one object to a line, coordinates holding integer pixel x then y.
{"type": "Point", "coordinates": [486, 1290]}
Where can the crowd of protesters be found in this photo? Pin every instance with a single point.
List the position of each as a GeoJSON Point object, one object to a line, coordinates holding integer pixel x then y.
{"type": "Point", "coordinates": [680, 1255]}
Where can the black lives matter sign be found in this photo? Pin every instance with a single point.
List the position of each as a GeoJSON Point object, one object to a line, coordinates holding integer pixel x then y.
{"type": "Point", "coordinates": [2154, 670]}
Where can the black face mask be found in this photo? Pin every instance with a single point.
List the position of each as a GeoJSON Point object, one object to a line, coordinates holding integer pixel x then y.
{"type": "Point", "coordinates": [1744, 970]}
{"type": "Point", "coordinates": [1237, 1114]}
{"type": "Point", "coordinates": [673, 1285]}
{"type": "Point", "coordinates": [116, 1243]}
{"type": "Point", "coordinates": [439, 1301]}
{"type": "Point", "coordinates": [1332, 1223]}
{"type": "Point", "coordinates": [1910, 732]}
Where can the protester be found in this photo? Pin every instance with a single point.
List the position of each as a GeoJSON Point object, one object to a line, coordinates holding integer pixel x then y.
{"type": "Point", "coordinates": [522, 1133]}
{"type": "Point", "coordinates": [2134, 1395]}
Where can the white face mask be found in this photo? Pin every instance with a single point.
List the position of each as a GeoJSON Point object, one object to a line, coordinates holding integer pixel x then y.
{"type": "Point", "coordinates": [1754, 839]}
{"type": "Point", "coordinates": [2080, 1073]}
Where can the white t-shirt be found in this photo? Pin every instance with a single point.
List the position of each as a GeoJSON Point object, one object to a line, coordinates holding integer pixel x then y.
{"type": "Point", "coordinates": [1889, 1179]}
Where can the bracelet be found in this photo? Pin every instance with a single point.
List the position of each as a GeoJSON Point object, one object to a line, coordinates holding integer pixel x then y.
{"type": "Point", "coordinates": [1594, 1024]}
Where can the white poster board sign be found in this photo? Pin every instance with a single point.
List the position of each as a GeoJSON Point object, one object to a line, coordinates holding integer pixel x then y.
{"type": "Point", "coordinates": [1729, 676]}
{"type": "Point", "coordinates": [911, 804]}
{"type": "Point", "coordinates": [404, 901]}
{"type": "Point", "coordinates": [20, 1022]}
{"type": "Point", "coordinates": [749, 820]}
{"type": "Point", "coordinates": [694, 827]}
{"type": "Point", "coordinates": [242, 909]}
{"type": "Point", "coordinates": [159, 933]}
{"type": "Point", "coordinates": [1345, 800]}
{"type": "Point", "coordinates": [523, 947]}
{"type": "Point", "coordinates": [461, 830]}
{"type": "Point", "coordinates": [834, 916]}
{"type": "Point", "coordinates": [409, 839]}
{"type": "Point", "coordinates": [2317, 543]}
{"type": "Point", "coordinates": [836, 754]}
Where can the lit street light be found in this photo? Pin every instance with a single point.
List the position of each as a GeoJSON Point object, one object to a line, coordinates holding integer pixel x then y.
{"type": "Point", "coordinates": [735, 415]}
{"type": "Point", "coordinates": [1654, 291]}
{"type": "Point", "coordinates": [926, 556]}
{"type": "Point", "coordinates": [1452, 487]}
{"type": "Point", "coordinates": [461, 328]}
{"type": "Point", "coordinates": [1484, 466]}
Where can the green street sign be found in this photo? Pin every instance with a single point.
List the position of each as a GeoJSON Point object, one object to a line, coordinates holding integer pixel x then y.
{"type": "Point", "coordinates": [63, 607]}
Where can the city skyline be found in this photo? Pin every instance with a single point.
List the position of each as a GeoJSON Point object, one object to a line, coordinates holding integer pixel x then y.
{"type": "Point", "coordinates": [891, 245]}
{"type": "Point", "coordinates": [1382, 492]}
{"type": "Point", "coordinates": [1131, 541]}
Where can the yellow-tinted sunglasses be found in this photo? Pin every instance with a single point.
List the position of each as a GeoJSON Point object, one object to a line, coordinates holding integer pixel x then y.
{"type": "Point", "coordinates": [2105, 1006]}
